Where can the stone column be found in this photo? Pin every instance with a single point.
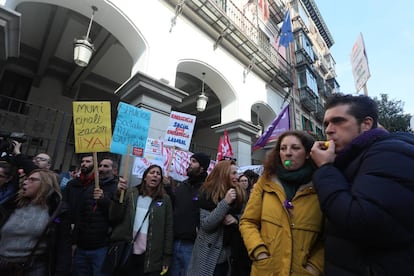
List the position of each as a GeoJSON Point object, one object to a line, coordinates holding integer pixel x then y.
{"type": "Point", "coordinates": [153, 95]}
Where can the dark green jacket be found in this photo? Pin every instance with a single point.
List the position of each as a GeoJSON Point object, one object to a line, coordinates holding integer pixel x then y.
{"type": "Point", "coordinates": [160, 230]}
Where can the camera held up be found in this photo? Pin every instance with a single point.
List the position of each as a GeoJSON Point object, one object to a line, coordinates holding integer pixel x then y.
{"type": "Point", "coordinates": [6, 141]}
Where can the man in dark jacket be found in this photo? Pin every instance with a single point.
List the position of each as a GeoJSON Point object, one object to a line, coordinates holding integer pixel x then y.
{"type": "Point", "coordinates": [186, 215]}
{"type": "Point", "coordinates": [89, 209]}
{"type": "Point", "coordinates": [365, 185]}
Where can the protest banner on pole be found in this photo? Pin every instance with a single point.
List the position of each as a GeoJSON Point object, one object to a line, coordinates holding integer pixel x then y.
{"type": "Point", "coordinates": [179, 130]}
{"type": "Point", "coordinates": [279, 125]}
{"type": "Point", "coordinates": [176, 164]}
{"type": "Point", "coordinates": [131, 129]}
{"type": "Point", "coordinates": [225, 149]}
{"type": "Point", "coordinates": [92, 130]}
{"type": "Point", "coordinates": [92, 126]}
{"type": "Point", "coordinates": [130, 134]}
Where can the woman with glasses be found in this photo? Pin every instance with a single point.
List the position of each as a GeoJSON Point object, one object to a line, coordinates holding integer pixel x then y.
{"type": "Point", "coordinates": [34, 234]}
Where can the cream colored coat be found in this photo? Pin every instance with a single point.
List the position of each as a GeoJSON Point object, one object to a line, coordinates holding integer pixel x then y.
{"type": "Point", "coordinates": [292, 237]}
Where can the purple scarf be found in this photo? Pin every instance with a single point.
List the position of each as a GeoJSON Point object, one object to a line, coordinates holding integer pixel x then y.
{"type": "Point", "coordinates": [357, 146]}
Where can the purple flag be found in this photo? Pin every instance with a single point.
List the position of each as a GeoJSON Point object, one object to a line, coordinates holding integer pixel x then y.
{"type": "Point", "coordinates": [277, 127]}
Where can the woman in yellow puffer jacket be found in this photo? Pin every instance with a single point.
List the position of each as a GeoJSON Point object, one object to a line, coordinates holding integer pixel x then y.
{"type": "Point", "coordinates": [282, 223]}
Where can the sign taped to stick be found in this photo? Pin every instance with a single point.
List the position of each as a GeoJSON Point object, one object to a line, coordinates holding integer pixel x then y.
{"type": "Point", "coordinates": [131, 128]}
{"type": "Point", "coordinates": [92, 126]}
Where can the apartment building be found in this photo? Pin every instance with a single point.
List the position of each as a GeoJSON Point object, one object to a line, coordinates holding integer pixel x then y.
{"type": "Point", "coordinates": [163, 56]}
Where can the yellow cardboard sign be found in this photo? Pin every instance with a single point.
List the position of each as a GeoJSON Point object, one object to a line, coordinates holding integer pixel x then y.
{"type": "Point", "coordinates": [92, 126]}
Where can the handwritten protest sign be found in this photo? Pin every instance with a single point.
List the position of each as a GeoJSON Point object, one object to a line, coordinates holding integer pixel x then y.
{"type": "Point", "coordinates": [131, 128]}
{"type": "Point", "coordinates": [92, 126]}
{"type": "Point", "coordinates": [176, 164]}
{"type": "Point", "coordinates": [177, 168]}
{"type": "Point", "coordinates": [179, 130]}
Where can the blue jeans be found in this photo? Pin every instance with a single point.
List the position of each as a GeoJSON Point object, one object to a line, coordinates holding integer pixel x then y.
{"type": "Point", "coordinates": [181, 257]}
{"type": "Point", "coordinates": [89, 262]}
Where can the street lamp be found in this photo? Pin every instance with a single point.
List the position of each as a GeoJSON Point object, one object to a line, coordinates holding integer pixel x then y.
{"type": "Point", "coordinates": [260, 131]}
{"type": "Point", "coordinates": [202, 99]}
{"type": "Point", "coordinates": [83, 47]}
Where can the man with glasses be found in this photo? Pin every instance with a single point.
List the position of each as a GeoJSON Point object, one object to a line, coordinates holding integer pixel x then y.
{"type": "Point", "coordinates": [22, 165]}
{"type": "Point", "coordinates": [42, 161]}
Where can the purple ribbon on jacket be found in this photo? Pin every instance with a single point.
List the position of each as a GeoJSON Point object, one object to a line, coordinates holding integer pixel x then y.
{"type": "Point", "coordinates": [288, 204]}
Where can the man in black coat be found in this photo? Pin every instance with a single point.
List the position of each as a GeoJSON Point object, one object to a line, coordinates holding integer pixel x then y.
{"type": "Point", "coordinates": [365, 185]}
{"type": "Point", "coordinates": [89, 210]}
{"type": "Point", "coordinates": [186, 212]}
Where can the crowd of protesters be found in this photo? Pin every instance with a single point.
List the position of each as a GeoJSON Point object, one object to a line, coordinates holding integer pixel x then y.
{"type": "Point", "coordinates": [336, 207]}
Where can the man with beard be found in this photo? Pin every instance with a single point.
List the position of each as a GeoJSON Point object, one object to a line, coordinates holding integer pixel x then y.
{"type": "Point", "coordinates": [186, 212]}
{"type": "Point", "coordinates": [364, 183]}
{"type": "Point", "coordinates": [89, 211]}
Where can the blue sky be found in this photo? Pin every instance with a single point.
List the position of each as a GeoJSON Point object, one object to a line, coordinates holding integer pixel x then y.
{"type": "Point", "coordinates": [388, 31]}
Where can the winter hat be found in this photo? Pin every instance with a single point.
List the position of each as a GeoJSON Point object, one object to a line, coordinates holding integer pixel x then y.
{"type": "Point", "coordinates": [203, 159]}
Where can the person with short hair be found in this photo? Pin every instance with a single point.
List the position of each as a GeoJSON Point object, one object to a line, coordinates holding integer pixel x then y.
{"type": "Point", "coordinates": [186, 212]}
{"type": "Point", "coordinates": [365, 187]}
{"type": "Point", "coordinates": [90, 207]}
{"type": "Point", "coordinates": [42, 161]}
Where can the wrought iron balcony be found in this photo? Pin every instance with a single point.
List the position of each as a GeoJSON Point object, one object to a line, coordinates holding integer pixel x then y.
{"type": "Point", "coordinates": [302, 57]}
{"type": "Point", "coordinates": [231, 29]}
{"type": "Point", "coordinates": [308, 98]}
{"type": "Point", "coordinates": [34, 120]}
{"type": "Point", "coordinates": [334, 84]}
{"type": "Point", "coordinates": [327, 91]}
{"type": "Point", "coordinates": [320, 111]}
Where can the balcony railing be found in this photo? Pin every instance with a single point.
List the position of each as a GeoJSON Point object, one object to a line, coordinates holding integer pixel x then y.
{"type": "Point", "coordinates": [319, 112]}
{"type": "Point", "coordinates": [334, 84]}
{"type": "Point", "coordinates": [43, 127]}
{"type": "Point", "coordinates": [302, 57]}
{"type": "Point", "coordinates": [327, 91]}
{"type": "Point", "coordinates": [307, 98]}
{"type": "Point", "coordinates": [229, 23]}
{"type": "Point", "coordinates": [20, 116]}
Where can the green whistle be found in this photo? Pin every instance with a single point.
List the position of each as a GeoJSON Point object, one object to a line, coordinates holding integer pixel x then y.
{"type": "Point", "coordinates": [287, 163]}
